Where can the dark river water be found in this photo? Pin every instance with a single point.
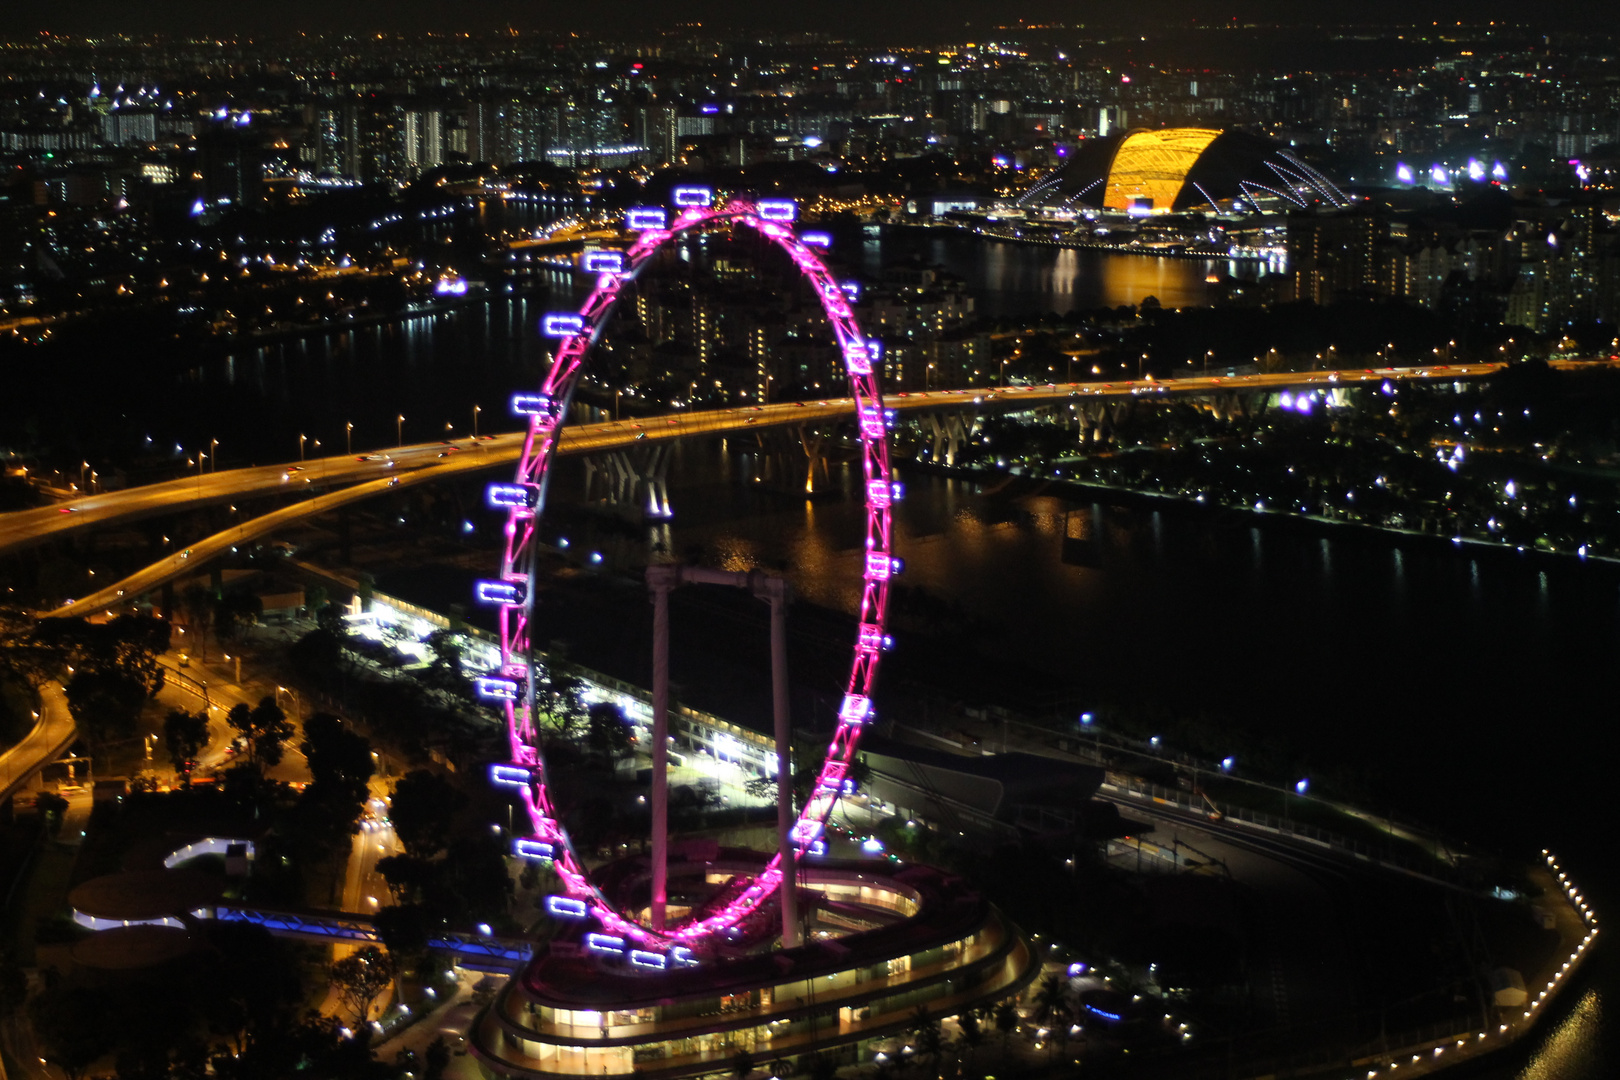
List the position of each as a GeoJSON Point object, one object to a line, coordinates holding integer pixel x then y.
{"type": "Point", "coordinates": [1476, 685]}
{"type": "Point", "coordinates": [1472, 687]}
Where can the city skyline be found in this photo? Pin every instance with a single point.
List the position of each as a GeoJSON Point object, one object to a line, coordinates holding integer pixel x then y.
{"type": "Point", "coordinates": [930, 21]}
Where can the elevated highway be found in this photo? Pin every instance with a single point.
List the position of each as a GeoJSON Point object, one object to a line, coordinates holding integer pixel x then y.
{"type": "Point", "coordinates": [23, 528]}
{"type": "Point", "coordinates": [49, 739]}
{"type": "Point", "coordinates": [424, 464]}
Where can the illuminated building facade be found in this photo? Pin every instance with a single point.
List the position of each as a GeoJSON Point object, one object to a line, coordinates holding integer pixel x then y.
{"type": "Point", "coordinates": [881, 942]}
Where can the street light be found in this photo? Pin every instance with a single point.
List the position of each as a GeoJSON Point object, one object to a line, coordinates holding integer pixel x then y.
{"type": "Point", "coordinates": [301, 441]}
{"type": "Point", "coordinates": [399, 428]}
{"type": "Point", "coordinates": [476, 411]}
{"type": "Point", "coordinates": [298, 708]}
{"type": "Point", "coordinates": [213, 455]}
{"type": "Point", "coordinates": [348, 437]}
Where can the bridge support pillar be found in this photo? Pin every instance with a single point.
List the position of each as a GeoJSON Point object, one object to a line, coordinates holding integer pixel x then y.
{"type": "Point", "coordinates": [948, 433]}
{"type": "Point", "coordinates": [635, 481]}
{"type": "Point", "coordinates": [817, 459]}
{"type": "Point", "coordinates": [660, 579]}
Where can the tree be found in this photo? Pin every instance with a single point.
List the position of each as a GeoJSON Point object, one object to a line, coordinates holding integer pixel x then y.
{"type": "Point", "coordinates": [435, 1059]}
{"type": "Point", "coordinates": [198, 603]}
{"type": "Point", "coordinates": [566, 706]}
{"type": "Point", "coordinates": [248, 787]}
{"type": "Point", "coordinates": [972, 1033]}
{"type": "Point", "coordinates": [1052, 1007]}
{"type": "Point", "coordinates": [477, 883]}
{"type": "Point", "coordinates": [409, 878]}
{"type": "Point", "coordinates": [53, 808]}
{"type": "Point", "coordinates": [185, 734]}
{"type": "Point", "coordinates": [405, 930]}
{"type": "Point", "coordinates": [822, 1067]}
{"type": "Point", "coordinates": [361, 977]}
{"type": "Point", "coordinates": [318, 656]}
{"type": "Point", "coordinates": [264, 728]}
{"type": "Point", "coordinates": [70, 1028]}
{"type": "Point", "coordinates": [445, 669]}
{"type": "Point", "coordinates": [1052, 999]}
{"type": "Point", "coordinates": [609, 732]}
{"type": "Point", "coordinates": [742, 1064]}
{"type": "Point", "coordinates": [106, 703]}
{"type": "Point", "coordinates": [250, 984]}
{"type": "Point", "coordinates": [129, 644]}
{"type": "Point", "coordinates": [422, 807]}
{"type": "Point", "coordinates": [930, 1039]}
{"type": "Point", "coordinates": [1006, 1022]}
{"type": "Point", "coordinates": [340, 761]}
{"type": "Point", "coordinates": [329, 810]}
{"type": "Point", "coordinates": [114, 669]}
{"type": "Point", "coordinates": [234, 613]}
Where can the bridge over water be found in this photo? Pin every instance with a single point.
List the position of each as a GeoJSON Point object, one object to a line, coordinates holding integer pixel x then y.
{"type": "Point", "coordinates": [941, 413]}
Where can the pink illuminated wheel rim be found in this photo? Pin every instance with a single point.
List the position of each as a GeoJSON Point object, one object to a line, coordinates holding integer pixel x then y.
{"type": "Point", "coordinates": [524, 501]}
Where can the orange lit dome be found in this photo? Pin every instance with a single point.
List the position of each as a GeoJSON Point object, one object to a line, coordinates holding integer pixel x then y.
{"type": "Point", "coordinates": [1172, 169]}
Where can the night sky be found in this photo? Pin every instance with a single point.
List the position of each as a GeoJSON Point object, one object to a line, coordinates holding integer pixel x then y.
{"type": "Point", "coordinates": [910, 19]}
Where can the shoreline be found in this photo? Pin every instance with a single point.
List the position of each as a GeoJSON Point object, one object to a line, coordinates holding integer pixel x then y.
{"type": "Point", "coordinates": [1307, 522]}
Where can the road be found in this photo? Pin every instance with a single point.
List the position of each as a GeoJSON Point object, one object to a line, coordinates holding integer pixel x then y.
{"type": "Point", "coordinates": [23, 528]}
{"type": "Point", "coordinates": [434, 462]}
{"type": "Point", "coordinates": [43, 745]}
{"type": "Point", "coordinates": [200, 685]}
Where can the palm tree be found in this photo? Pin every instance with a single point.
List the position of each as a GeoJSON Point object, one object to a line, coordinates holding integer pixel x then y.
{"type": "Point", "coordinates": [742, 1064]}
{"type": "Point", "coordinates": [972, 1034]}
{"type": "Point", "coordinates": [822, 1067]}
{"type": "Point", "coordinates": [930, 1039]}
{"type": "Point", "coordinates": [1052, 999]}
{"type": "Point", "coordinates": [1052, 1006]}
{"type": "Point", "coordinates": [1006, 1022]}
